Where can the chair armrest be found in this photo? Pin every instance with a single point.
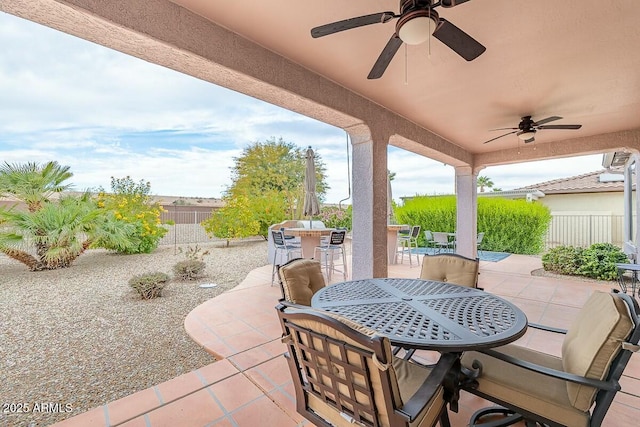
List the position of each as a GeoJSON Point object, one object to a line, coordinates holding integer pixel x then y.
{"type": "Point", "coordinates": [599, 384]}
{"type": "Point", "coordinates": [429, 387]}
{"type": "Point", "coordinates": [547, 328]}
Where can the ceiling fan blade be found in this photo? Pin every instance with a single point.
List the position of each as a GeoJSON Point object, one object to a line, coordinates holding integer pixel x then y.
{"type": "Point", "coordinates": [385, 57]}
{"type": "Point", "coordinates": [458, 41]}
{"type": "Point", "coordinates": [347, 24]}
{"type": "Point", "coordinates": [451, 3]}
{"type": "Point", "coordinates": [526, 141]}
{"type": "Point", "coordinates": [490, 130]}
{"type": "Point", "coordinates": [575, 127]}
{"type": "Point", "coordinates": [493, 139]}
{"type": "Point", "coordinates": [547, 120]}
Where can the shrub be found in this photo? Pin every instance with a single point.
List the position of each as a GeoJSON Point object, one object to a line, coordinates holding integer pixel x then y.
{"type": "Point", "coordinates": [598, 261]}
{"type": "Point", "coordinates": [514, 226]}
{"type": "Point", "coordinates": [149, 285]}
{"type": "Point", "coordinates": [189, 269]}
{"type": "Point", "coordinates": [562, 260]}
{"type": "Point", "coordinates": [131, 204]}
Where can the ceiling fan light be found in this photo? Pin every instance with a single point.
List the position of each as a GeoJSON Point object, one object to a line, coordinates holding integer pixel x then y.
{"type": "Point", "coordinates": [526, 135]}
{"type": "Point", "coordinates": [416, 30]}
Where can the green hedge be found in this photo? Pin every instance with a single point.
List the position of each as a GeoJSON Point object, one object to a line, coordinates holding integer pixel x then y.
{"type": "Point", "coordinates": [514, 226]}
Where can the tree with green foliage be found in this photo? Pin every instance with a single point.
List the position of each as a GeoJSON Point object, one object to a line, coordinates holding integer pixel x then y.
{"type": "Point", "coordinates": [234, 221]}
{"type": "Point", "coordinates": [131, 204]}
{"type": "Point", "coordinates": [484, 181]}
{"type": "Point", "coordinates": [275, 166]}
{"type": "Point", "coordinates": [49, 234]}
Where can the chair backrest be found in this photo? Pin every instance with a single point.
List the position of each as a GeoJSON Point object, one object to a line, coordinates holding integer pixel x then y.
{"type": "Point", "coordinates": [300, 279]}
{"type": "Point", "coordinates": [428, 235]}
{"type": "Point", "coordinates": [278, 238]}
{"type": "Point", "coordinates": [593, 348]}
{"type": "Point", "coordinates": [440, 237]}
{"type": "Point", "coordinates": [342, 373]}
{"type": "Point", "coordinates": [452, 268]}
{"type": "Point", "coordinates": [480, 237]}
{"type": "Point", "coordinates": [337, 237]}
{"type": "Point", "coordinates": [415, 231]}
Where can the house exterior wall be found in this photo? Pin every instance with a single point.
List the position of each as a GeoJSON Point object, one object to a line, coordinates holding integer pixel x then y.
{"type": "Point", "coordinates": [606, 203]}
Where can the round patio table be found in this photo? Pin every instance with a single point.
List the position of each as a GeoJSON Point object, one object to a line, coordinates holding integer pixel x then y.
{"type": "Point", "coordinates": [425, 314]}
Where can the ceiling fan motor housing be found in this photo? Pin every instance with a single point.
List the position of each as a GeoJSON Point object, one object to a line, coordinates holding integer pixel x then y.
{"type": "Point", "coordinates": [416, 15]}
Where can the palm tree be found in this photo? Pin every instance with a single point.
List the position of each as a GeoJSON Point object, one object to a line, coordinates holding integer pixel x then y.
{"type": "Point", "coordinates": [33, 183]}
{"type": "Point", "coordinates": [50, 235]}
{"type": "Point", "coordinates": [484, 181]}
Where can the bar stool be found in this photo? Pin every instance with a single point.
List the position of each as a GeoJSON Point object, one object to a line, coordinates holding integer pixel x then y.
{"type": "Point", "coordinates": [328, 251]}
{"type": "Point", "coordinates": [282, 246]}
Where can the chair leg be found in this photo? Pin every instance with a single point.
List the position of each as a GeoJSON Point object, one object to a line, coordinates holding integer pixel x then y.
{"type": "Point", "coordinates": [509, 417]}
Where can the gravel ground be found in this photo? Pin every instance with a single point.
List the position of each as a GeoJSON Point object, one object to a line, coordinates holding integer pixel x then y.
{"type": "Point", "coordinates": [81, 337]}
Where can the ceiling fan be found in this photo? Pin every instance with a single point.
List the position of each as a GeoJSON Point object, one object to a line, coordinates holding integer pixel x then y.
{"type": "Point", "coordinates": [527, 128]}
{"type": "Point", "coordinates": [414, 26]}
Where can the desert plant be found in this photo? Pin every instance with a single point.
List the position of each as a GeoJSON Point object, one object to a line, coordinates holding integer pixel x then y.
{"type": "Point", "coordinates": [149, 285]}
{"type": "Point", "coordinates": [192, 267]}
{"type": "Point", "coordinates": [562, 260]}
{"type": "Point", "coordinates": [599, 260]}
{"type": "Point", "coordinates": [50, 234]}
{"type": "Point", "coordinates": [131, 204]}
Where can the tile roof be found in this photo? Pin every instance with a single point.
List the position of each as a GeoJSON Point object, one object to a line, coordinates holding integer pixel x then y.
{"type": "Point", "coordinates": [586, 183]}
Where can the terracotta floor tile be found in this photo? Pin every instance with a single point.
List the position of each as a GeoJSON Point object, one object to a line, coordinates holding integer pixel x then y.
{"type": "Point", "coordinates": [217, 371]}
{"type": "Point", "coordinates": [235, 391]}
{"type": "Point", "coordinates": [136, 422]}
{"type": "Point", "coordinates": [621, 415]}
{"type": "Point", "coordinates": [196, 409]}
{"type": "Point", "coordinates": [179, 386]}
{"type": "Point", "coordinates": [223, 422]}
{"type": "Point", "coordinates": [270, 374]}
{"type": "Point", "coordinates": [537, 292]}
{"type": "Point", "coordinates": [250, 358]}
{"type": "Point", "coordinates": [95, 417]}
{"type": "Point", "coordinates": [287, 401]}
{"type": "Point", "coordinates": [246, 340]}
{"type": "Point", "coordinates": [133, 405]}
{"type": "Point", "coordinates": [231, 328]}
{"type": "Point", "coordinates": [262, 412]}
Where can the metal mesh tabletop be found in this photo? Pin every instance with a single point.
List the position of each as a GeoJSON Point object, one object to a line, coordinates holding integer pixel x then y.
{"type": "Point", "coordinates": [426, 314]}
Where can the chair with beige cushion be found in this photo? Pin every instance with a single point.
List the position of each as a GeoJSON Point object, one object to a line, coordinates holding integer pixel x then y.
{"type": "Point", "coordinates": [344, 375]}
{"type": "Point", "coordinates": [561, 391]}
{"type": "Point", "coordinates": [300, 279]}
{"type": "Point", "coordinates": [451, 268]}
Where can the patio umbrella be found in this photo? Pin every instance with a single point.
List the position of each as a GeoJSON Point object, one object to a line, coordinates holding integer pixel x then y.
{"type": "Point", "coordinates": [311, 206]}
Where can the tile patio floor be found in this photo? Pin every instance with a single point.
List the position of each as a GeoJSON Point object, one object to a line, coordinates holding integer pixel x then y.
{"type": "Point", "coordinates": [250, 385]}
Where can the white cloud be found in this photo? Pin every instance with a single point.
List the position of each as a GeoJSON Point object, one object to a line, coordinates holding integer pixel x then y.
{"type": "Point", "coordinates": [107, 114]}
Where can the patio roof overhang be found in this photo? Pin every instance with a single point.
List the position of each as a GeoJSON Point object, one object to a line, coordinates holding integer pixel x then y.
{"type": "Point", "coordinates": [574, 59]}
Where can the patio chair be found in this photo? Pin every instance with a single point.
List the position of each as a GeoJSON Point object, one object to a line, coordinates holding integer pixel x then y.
{"type": "Point", "coordinates": [561, 391]}
{"type": "Point", "coordinates": [282, 247]}
{"type": "Point", "coordinates": [428, 239]}
{"type": "Point", "coordinates": [451, 268]}
{"type": "Point", "coordinates": [441, 241]}
{"type": "Point", "coordinates": [344, 375]}
{"type": "Point", "coordinates": [410, 241]}
{"type": "Point", "coordinates": [328, 250]}
{"type": "Point", "coordinates": [479, 239]}
{"type": "Point", "coordinates": [300, 279]}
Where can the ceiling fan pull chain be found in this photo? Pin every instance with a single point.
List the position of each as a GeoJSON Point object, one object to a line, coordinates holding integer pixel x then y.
{"type": "Point", "coordinates": [430, 35]}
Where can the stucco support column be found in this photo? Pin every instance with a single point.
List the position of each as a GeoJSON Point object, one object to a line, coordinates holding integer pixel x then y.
{"type": "Point", "coordinates": [466, 211]}
{"type": "Point", "coordinates": [369, 177]}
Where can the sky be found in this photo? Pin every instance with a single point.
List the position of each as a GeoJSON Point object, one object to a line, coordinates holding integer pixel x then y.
{"type": "Point", "coordinates": [104, 114]}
